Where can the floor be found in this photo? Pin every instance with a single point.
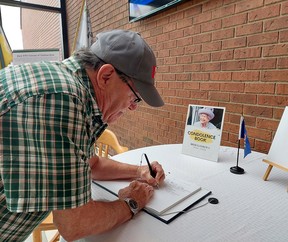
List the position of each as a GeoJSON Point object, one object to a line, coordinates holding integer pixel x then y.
{"type": "Point", "coordinates": [46, 236]}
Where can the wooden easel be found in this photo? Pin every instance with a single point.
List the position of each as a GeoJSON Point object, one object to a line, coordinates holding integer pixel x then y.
{"type": "Point", "coordinates": [279, 149]}
{"type": "Point", "coordinates": [270, 166]}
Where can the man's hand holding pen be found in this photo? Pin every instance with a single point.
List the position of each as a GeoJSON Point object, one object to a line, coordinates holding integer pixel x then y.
{"type": "Point", "coordinates": [141, 191]}
{"type": "Point", "coordinates": [153, 173]}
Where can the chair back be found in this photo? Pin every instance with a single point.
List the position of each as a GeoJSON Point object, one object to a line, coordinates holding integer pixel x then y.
{"type": "Point", "coordinates": [46, 225]}
{"type": "Point", "coordinates": [106, 142]}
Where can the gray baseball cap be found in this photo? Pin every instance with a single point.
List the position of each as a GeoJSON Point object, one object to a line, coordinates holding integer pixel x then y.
{"type": "Point", "coordinates": [129, 53]}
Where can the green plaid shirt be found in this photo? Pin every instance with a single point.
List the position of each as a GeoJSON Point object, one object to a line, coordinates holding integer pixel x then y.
{"type": "Point", "coordinates": [49, 121]}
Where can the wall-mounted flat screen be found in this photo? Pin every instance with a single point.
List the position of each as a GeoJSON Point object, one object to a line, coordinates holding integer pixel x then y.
{"type": "Point", "coordinates": [139, 9]}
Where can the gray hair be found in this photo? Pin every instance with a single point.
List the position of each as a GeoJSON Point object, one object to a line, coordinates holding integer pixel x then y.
{"type": "Point", "coordinates": [88, 59]}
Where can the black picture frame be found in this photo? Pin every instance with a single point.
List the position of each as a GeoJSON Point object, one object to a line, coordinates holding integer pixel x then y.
{"type": "Point", "coordinates": [140, 9]}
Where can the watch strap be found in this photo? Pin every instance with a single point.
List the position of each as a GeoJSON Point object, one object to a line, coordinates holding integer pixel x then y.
{"type": "Point", "coordinates": [132, 205]}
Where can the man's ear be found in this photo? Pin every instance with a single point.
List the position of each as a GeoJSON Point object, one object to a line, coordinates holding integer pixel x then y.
{"type": "Point", "coordinates": [104, 74]}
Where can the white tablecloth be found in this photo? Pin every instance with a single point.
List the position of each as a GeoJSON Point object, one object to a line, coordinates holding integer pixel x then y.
{"type": "Point", "coordinates": [249, 208]}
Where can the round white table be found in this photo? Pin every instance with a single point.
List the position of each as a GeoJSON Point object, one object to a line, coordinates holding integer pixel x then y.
{"type": "Point", "coordinates": [249, 208]}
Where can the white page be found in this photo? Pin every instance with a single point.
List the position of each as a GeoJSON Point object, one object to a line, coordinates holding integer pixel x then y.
{"type": "Point", "coordinates": [170, 194]}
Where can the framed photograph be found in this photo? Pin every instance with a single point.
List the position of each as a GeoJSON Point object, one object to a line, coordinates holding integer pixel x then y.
{"type": "Point", "coordinates": [203, 131]}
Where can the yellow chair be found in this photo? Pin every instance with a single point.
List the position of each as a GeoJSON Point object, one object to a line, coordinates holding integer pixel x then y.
{"type": "Point", "coordinates": [106, 142]}
{"type": "Point", "coordinates": [47, 224]}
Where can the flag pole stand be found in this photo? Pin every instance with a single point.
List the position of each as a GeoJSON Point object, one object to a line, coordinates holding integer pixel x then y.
{"type": "Point", "coordinates": [237, 169]}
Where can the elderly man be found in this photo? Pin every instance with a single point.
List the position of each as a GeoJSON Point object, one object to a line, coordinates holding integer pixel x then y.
{"type": "Point", "coordinates": [50, 116]}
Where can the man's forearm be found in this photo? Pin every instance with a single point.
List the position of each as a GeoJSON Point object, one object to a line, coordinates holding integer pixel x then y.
{"type": "Point", "coordinates": [92, 218]}
{"type": "Point", "coordinates": [107, 169]}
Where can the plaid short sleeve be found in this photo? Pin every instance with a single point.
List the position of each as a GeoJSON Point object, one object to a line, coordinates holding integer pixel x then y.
{"type": "Point", "coordinates": [44, 157]}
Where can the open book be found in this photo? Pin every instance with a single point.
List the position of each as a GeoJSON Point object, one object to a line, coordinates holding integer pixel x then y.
{"type": "Point", "coordinates": [169, 195]}
{"type": "Point", "coordinates": [169, 201]}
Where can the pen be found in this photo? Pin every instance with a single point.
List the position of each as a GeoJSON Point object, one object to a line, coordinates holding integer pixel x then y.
{"type": "Point", "coordinates": [152, 173]}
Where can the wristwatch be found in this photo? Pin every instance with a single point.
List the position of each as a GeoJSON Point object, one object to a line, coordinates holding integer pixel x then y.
{"type": "Point", "coordinates": [133, 205]}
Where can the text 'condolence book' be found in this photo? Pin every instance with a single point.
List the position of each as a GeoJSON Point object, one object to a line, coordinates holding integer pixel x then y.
{"type": "Point", "coordinates": [168, 202]}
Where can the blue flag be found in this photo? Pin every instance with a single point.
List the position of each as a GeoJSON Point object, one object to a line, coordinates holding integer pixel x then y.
{"type": "Point", "coordinates": [243, 135]}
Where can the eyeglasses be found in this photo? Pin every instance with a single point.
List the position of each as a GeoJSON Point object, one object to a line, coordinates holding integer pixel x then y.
{"type": "Point", "coordinates": [137, 99]}
{"type": "Point", "coordinates": [123, 77]}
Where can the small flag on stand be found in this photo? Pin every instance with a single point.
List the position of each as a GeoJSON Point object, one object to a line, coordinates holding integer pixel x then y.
{"type": "Point", "coordinates": [243, 135]}
{"type": "Point", "coordinates": [247, 149]}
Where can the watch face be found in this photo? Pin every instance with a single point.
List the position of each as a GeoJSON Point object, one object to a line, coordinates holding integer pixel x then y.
{"type": "Point", "coordinates": [133, 204]}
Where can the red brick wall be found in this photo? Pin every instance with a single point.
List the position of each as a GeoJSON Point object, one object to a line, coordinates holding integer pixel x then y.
{"type": "Point", "coordinates": [228, 53]}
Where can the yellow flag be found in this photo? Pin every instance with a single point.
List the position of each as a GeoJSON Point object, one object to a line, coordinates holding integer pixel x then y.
{"type": "Point", "coordinates": [6, 55]}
